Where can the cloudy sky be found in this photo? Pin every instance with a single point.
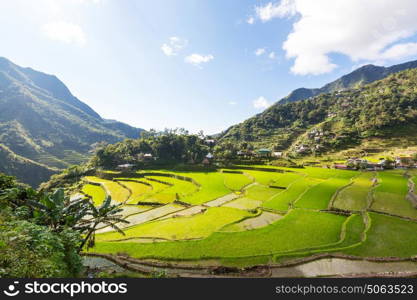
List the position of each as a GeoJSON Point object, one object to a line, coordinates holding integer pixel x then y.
{"type": "Point", "coordinates": [203, 64]}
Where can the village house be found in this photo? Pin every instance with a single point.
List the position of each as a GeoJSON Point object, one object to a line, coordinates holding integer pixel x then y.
{"type": "Point", "coordinates": [302, 148]}
{"type": "Point", "coordinates": [341, 166]}
{"type": "Point", "coordinates": [264, 152]}
{"type": "Point", "coordinates": [277, 154]}
{"type": "Point", "coordinates": [208, 159]}
{"type": "Point", "coordinates": [210, 142]}
{"type": "Point", "coordinates": [148, 156]}
{"type": "Point", "coordinates": [125, 167]}
{"type": "Point", "coordinates": [404, 162]}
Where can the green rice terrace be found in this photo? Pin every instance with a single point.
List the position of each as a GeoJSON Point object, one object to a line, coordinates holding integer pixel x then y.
{"type": "Point", "coordinates": [259, 221]}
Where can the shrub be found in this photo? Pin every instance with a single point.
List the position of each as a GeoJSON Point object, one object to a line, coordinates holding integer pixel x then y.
{"type": "Point", "coordinates": [34, 251]}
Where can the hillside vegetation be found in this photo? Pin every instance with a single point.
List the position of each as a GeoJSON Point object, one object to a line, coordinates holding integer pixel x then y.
{"type": "Point", "coordinates": [383, 109]}
{"type": "Point", "coordinates": [359, 77]}
{"type": "Point", "coordinates": [42, 121]}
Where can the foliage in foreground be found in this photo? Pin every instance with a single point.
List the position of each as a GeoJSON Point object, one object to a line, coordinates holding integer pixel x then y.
{"type": "Point", "coordinates": [41, 234]}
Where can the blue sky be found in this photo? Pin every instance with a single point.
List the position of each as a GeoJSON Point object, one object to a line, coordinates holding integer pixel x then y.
{"type": "Point", "coordinates": [206, 64]}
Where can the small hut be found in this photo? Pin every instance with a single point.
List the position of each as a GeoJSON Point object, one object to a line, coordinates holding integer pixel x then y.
{"type": "Point", "coordinates": [264, 153]}
{"type": "Point", "coordinates": [125, 167]}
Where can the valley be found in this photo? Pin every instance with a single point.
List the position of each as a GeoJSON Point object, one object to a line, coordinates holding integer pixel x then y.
{"type": "Point", "coordinates": [268, 219]}
{"type": "Point", "coordinates": [302, 189]}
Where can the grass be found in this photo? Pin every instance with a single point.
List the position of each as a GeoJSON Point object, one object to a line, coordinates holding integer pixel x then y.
{"type": "Point", "coordinates": [236, 236]}
{"type": "Point", "coordinates": [351, 237]}
{"type": "Point", "coordinates": [265, 178]}
{"type": "Point", "coordinates": [388, 237]}
{"type": "Point", "coordinates": [244, 203]}
{"type": "Point", "coordinates": [153, 188]}
{"type": "Point", "coordinates": [236, 182]}
{"type": "Point", "coordinates": [282, 201]}
{"type": "Point", "coordinates": [319, 196]}
{"type": "Point", "coordinates": [299, 229]}
{"type": "Point", "coordinates": [261, 192]}
{"type": "Point", "coordinates": [390, 195]}
{"type": "Point", "coordinates": [192, 227]}
{"type": "Point", "coordinates": [212, 187]}
{"type": "Point", "coordinates": [178, 189]}
{"type": "Point", "coordinates": [323, 173]}
{"type": "Point", "coordinates": [96, 192]}
{"type": "Point", "coordinates": [137, 189]}
{"type": "Point", "coordinates": [115, 190]}
{"type": "Point", "coordinates": [355, 196]}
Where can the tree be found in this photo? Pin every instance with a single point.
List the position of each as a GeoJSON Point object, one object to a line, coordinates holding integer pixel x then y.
{"type": "Point", "coordinates": [106, 214]}
{"type": "Point", "coordinates": [58, 212]}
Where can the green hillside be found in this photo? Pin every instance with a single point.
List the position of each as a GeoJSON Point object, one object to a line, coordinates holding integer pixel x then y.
{"type": "Point", "coordinates": [359, 77]}
{"type": "Point", "coordinates": [385, 109]}
{"type": "Point", "coordinates": [42, 121]}
{"type": "Point", "coordinates": [29, 171]}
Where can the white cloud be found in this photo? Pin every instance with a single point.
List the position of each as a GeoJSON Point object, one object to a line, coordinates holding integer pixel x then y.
{"type": "Point", "coordinates": [174, 46]}
{"type": "Point", "coordinates": [272, 55]}
{"type": "Point", "coordinates": [277, 10]}
{"type": "Point", "coordinates": [198, 59]}
{"type": "Point", "coordinates": [371, 30]}
{"type": "Point", "coordinates": [232, 102]}
{"type": "Point", "coordinates": [65, 32]}
{"type": "Point", "coordinates": [259, 51]}
{"type": "Point", "coordinates": [250, 20]}
{"type": "Point", "coordinates": [261, 103]}
{"type": "Point", "coordinates": [400, 51]}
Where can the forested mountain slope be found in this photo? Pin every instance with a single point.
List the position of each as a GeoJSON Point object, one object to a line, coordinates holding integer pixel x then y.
{"type": "Point", "coordinates": [382, 109]}
{"type": "Point", "coordinates": [359, 77]}
{"type": "Point", "coordinates": [42, 121]}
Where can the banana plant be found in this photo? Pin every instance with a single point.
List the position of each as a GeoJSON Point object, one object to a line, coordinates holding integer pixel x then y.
{"type": "Point", "coordinates": [57, 211]}
{"type": "Point", "coordinates": [106, 214]}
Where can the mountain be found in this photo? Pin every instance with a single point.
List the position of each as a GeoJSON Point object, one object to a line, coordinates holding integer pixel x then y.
{"type": "Point", "coordinates": [384, 112]}
{"type": "Point", "coordinates": [42, 122]}
{"type": "Point", "coordinates": [26, 170]}
{"type": "Point", "coordinates": [364, 75]}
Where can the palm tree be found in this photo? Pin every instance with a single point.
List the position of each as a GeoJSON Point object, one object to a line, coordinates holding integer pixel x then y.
{"type": "Point", "coordinates": [106, 214]}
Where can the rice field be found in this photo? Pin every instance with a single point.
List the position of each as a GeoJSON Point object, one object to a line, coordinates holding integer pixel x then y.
{"type": "Point", "coordinates": [298, 230]}
{"type": "Point", "coordinates": [242, 217]}
{"type": "Point", "coordinates": [320, 195]}
{"type": "Point", "coordinates": [355, 197]}
{"type": "Point", "coordinates": [282, 201]}
{"type": "Point", "coordinates": [117, 192]}
{"type": "Point", "coordinates": [390, 196]}
{"type": "Point", "coordinates": [96, 192]}
{"type": "Point", "coordinates": [181, 228]}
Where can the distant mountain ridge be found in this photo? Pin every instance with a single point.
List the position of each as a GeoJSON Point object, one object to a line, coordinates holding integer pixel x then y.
{"type": "Point", "coordinates": [40, 120]}
{"type": "Point", "coordinates": [359, 77]}
{"type": "Point", "coordinates": [384, 111]}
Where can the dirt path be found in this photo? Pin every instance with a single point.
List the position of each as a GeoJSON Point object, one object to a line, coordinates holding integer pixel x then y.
{"type": "Point", "coordinates": [264, 219]}
{"type": "Point", "coordinates": [222, 200]}
{"type": "Point", "coordinates": [146, 216]}
{"type": "Point", "coordinates": [411, 196]}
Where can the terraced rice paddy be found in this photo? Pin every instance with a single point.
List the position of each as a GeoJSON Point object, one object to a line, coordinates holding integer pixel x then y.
{"type": "Point", "coordinates": [390, 195]}
{"type": "Point", "coordinates": [117, 192]}
{"type": "Point", "coordinates": [320, 195]}
{"type": "Point", "coordinates": [356, 196]}
{"type": "Point", "coordinates": [248, 216]}
{"type": "Point", "coordinates": [97, 193]}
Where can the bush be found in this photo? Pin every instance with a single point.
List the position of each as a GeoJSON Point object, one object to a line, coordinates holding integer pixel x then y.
{"type": "Point", "coordinates": [28, 250]}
